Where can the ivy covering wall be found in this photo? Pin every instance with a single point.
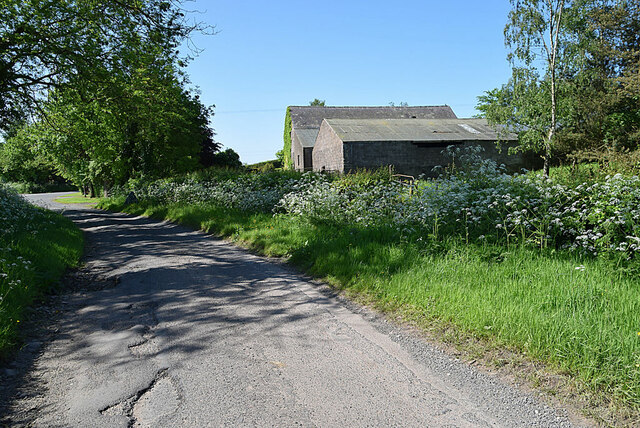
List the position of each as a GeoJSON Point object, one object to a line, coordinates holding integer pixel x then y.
{"type": "Point", "coordinates": [287, 163]}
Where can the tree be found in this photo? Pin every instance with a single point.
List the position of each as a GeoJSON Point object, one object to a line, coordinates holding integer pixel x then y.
{"type": "Point", "coordinates": [45, 43]}
{"type": "Point", "coordinates": [227, 158]}
{"type": "Point", "coordinates": [20, 163]}
{"type": "Point", "coordinates": [537, 36]}
{"type": "Point", "coordinates": [152, 127]}
{"type": "Point", "coordinates": [317, 102]}
{"type": "Point", "coordinates": [583, 102]}
{"type": "Point", "coordinates": [104, 84]}
{"type": "Point", "coordinates": [141, 122]}
{"type": "Point", "coordinates": [613, 28]}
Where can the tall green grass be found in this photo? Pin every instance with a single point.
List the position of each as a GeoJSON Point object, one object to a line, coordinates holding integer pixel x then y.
{"type": "Point", "coordinates": [580, 315]}
{"type": "Point", "coordinates": [31, 264]}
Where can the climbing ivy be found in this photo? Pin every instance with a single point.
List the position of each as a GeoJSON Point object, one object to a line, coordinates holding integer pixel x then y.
{"type": "Point", "coordinates": [288, 164]}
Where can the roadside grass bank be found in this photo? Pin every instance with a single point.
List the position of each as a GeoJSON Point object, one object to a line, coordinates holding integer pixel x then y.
{"type": "Point", "coordinates": [36, 247]}
{"type": "Point", "coordinates": [578, 314]}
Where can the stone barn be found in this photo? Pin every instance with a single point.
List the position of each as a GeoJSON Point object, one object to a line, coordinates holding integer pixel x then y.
{"type": "Point", "coordinates": [411, 146]}
{"type": "Point", "coordinates": [306, 121]}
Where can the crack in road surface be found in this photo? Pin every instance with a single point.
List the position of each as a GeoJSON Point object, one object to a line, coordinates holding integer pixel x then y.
{"type": "Point", "coordinates": [192, 331]}
{"type": "Point", "coordinates": [149, 405]}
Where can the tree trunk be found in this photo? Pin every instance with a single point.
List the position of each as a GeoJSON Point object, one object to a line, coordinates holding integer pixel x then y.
{"type": "Point", "coordinates": [552, 52]}
{"type": "Point", "coordinates": [92, 190]}
{"type": "Point", "coordinates": [547, 154]}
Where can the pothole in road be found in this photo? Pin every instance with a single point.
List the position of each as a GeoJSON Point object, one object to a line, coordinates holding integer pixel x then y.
{"type": "Point", "coordinates": [159, 401]}
{"type": "Point", "coordinates": [148, 406]}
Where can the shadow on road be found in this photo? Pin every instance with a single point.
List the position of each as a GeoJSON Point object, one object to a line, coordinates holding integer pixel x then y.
{"type": "Point", "coordinates": [181, 292]}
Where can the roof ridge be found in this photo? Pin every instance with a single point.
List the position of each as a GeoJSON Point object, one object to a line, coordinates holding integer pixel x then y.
{"type": "Point", "coordinates": [390, 107]}
{"type": "Point", "coordinates": [405, 118]}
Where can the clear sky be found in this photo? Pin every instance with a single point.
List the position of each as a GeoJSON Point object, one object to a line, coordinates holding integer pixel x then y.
{"type": "Point", "coordinates": [268, 55]}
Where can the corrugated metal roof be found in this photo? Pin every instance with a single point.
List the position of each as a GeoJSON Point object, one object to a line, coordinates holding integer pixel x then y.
{"type": "Point", "coordinates": [307, 137]}
{"type": "Point", "coordinates": [312, 116]}
{"type": "Point", "coordinates": [417, 130]}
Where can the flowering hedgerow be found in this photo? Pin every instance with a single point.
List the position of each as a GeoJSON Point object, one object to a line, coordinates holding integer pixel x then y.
{"type": "Point", "coordinates": [36, 246]}
{"type": "Point", "coordinates": [478, 201]}
{"type": "Point", "coordinates": [17, 217]}
{"type": "Point", "coordinates": [247, 192]}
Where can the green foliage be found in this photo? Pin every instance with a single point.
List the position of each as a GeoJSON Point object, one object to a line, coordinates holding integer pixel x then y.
{"type": "Point", "coordinates": [592, 80]}
{"type": "Point", "coordinates": [139, 124]}
{"type": "Point", "coordinates": [279, 157]}
{"type": "Point", "coordinates": [36, 246]}
{"type": "Point", "coordinates": [607, 112]}
{"type": "Point", "coordinates": [286, 150]}
{"type": "Point", "coordinates": [46, 44]}
{"type": "Point", "coordinates": [31, 187]}
{"type": "Point", "coordinates": [538, 37]}
{"type": "Point", "coordinates": [227, 159]}
{"type": "Point", "coordinates": [266, 166]}
{"type": "Point", "coordinates": [317, 102]}
{"type": "Point", "coordinates": [19, 162]}
{"type": "Point", "coordinates": [112, 99]}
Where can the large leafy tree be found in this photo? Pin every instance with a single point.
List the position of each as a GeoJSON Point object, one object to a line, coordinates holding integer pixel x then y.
{"type": "Point", "coordinates": [109, 96]}
{"type": "Point", "coordinates": [145, 126]}
{"type": "Point", "coordinates": [45, 43]}
{"type": "Point", "coordinates": [613, 33]}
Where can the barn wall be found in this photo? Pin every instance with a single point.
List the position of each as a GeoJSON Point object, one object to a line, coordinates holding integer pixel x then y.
{"type": "Point", "coordinates": [327, 152]}
{"type": "Point", "coordinates": [297, 152]}
{"type": "Point", "coordinates": [411, 159]}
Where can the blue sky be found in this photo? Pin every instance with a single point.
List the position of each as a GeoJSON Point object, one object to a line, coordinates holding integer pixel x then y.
{"type": "Point", "coordinates": [271, 54]}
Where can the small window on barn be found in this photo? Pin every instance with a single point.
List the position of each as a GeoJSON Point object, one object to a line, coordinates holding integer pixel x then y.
{"type": "Point", "coordinates": [298, 160]}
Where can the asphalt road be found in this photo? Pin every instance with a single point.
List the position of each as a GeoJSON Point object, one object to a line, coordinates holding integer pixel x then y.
{"type": "Point", "coordinates": [182, 329]}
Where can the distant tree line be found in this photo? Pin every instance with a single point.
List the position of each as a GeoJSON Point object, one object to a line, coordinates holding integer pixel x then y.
{"type": "Point", "coordinates": [574, 93]}
{"type": "Point", "coordinates": [95, 91]}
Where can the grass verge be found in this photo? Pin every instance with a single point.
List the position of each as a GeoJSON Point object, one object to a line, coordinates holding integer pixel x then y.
{"type": "Point", "coordinates": [30, 264]}
{"type": "Point", "coordinates": [76, 198]}
{"type": "Point", "coordinates": [581, 317]}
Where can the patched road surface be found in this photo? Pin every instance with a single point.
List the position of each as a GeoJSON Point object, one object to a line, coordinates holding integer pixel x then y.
{"type": "Point", "coordinates": [185, 330]}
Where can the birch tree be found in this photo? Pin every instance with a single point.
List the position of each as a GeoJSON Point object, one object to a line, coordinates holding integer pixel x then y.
{"type": "Point", "coordinates": [537, 38]}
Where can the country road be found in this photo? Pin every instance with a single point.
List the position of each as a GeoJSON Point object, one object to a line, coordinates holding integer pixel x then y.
{"type": "Point", "coordinates": [181, 329]}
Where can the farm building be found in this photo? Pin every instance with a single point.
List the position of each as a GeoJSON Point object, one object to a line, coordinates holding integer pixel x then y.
{"type": "Point", "coordinates": [306, 121]}
{"type": "Point", "coordinates": [412, 146]}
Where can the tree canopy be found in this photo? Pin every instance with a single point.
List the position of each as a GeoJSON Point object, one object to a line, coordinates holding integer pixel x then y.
{"type": "Point", "coordinates": [44, 44]}
{"type": "Point", "coordinates": [97, 88]}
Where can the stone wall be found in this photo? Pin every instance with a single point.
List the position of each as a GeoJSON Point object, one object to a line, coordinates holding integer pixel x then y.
{"type": "Point", "coordinates": [327, 152]}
